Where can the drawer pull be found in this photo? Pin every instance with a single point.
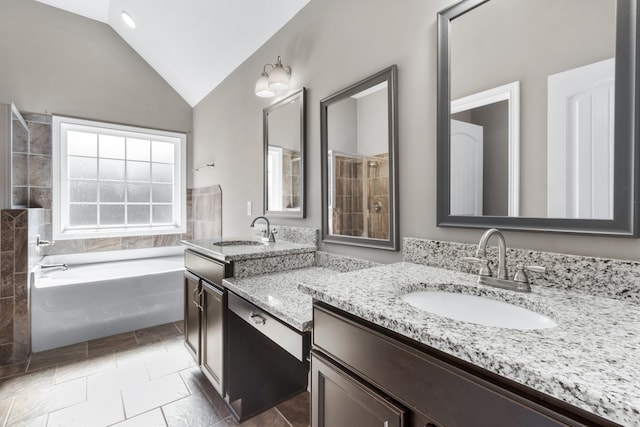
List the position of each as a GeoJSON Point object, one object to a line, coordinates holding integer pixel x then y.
{"type": "Point", "coordinates": [257, 319]}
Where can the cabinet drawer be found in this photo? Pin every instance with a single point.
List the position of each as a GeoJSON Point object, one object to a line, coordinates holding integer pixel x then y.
{"type": "Point", "coordinates": [446, 393]}
{"type": "Point", "coordinates": [207, 268]}
{"type": "Point", "coordinates": [294, 342]}
{"type": "Point", "coordinates": [339, 400]}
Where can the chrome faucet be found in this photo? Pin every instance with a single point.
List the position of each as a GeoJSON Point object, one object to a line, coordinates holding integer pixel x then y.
{"type": "Point", "coordinates": [481, 252]}
{"type": "Point", "coordinates": [520, 280]}
{"type": "Point", "coordinates": [64, 267]}
{"type": "Point", "coordinates": [267, 235]}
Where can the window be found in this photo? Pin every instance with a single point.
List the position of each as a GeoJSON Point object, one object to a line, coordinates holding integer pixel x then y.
{"type": "Point", "coordinates": [113, 180]}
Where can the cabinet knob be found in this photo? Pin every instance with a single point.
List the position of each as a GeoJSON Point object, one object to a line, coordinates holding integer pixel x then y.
{"type": "Point", "coordinates": [257, 319]}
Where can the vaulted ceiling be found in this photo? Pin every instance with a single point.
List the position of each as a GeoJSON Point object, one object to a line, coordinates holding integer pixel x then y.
{"type": "Point", "coordinates": [192, 44]}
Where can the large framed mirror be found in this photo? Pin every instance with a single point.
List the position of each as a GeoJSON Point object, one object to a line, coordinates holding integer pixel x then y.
{"type": "Point", "coordinates": [537, 107]}
{"type": "Point", "coordinates": [358, 127]}
{"type": "Point", "coordinates": [284, 128]}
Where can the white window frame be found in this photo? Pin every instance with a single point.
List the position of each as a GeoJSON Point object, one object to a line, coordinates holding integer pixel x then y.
{"type": "Point", "coordinates": [60, 191]}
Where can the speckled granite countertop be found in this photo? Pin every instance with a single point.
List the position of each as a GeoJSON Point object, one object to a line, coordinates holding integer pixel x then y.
{"type": "Point", "coordinates": [590, 360]}
{"type": "Point", "coordinates": [244, 252]}
{"type": "Point", "coordinates": [279, 295]}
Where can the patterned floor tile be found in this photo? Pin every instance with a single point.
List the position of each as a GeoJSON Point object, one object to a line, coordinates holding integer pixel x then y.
{"type": "Point", "coordinates": [296, 410]}
{"type": "Point", "coordinates": [157, 333]}
{"type": "Point", "coordinates": [112, 343]}
{"type": "Point", "coordinates": [29, 405]}
{"type": "Point", "coordinates": [140, 398]}
{"type": "Point", "coordinates": [92, 365]}
{"type": "Point", "coordinates": [93, 413]}
{"type": "Point", "coordinates": [148, 419]}
{"type": "Point", "coordinates": [49, 358]}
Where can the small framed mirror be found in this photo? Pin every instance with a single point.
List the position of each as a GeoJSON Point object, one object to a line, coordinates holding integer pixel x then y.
{"type": "Point", "coordinates": [284, 128]}
{"type": "Point", "coordinates": [358, 127]}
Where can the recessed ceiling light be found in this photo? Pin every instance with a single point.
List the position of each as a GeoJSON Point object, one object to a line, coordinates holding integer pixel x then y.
{"type": "Point", "coordinates": [128, 19]}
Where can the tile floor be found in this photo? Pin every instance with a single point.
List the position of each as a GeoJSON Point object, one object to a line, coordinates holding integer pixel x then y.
{"type": "Point", "coordinates": [144, 378]}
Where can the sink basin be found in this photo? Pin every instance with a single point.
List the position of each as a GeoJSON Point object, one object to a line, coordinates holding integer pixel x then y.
{"type": "Point", "coordinates": [239, 243]}
{"type": "Point", "coordinates": [479, 310]}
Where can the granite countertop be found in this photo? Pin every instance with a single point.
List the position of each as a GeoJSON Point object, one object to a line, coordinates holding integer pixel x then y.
{"type": "Point", "coordinates": [590, 360]}
{"type": "Point", "coordinates": [244, 252]}
{"type": "Point", "coordinates": [278, 294]}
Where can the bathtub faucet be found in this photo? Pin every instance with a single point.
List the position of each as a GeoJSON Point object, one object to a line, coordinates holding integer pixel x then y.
{"type": "Point", "coordinates": [53, 266]}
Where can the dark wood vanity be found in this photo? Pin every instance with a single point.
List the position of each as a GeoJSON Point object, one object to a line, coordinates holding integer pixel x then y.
{"type": "Point", "coordinates": [253, 360]}
{"type": "Point", "coordinates": [364, 375]}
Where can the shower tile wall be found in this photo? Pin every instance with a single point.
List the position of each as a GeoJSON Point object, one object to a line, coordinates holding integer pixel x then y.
{"type": "Point", "coordinates": [352, 202]}
{"type": "Point", "coordinates": [19, 255]}
{"type": "Point", "coordinates": [205, 206]}
{"type": "Point", "coordinates": [348, 216]}
{"type": "Point", "coordinates": [37, 191]}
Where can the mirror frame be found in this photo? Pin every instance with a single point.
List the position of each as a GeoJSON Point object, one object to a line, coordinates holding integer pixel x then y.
{"type": "Point", "coordinates": [626, 154]}
{"type": "Point", "coordinates": [301, 96]}
{"type": "Point", "coordinates": [390, 75]}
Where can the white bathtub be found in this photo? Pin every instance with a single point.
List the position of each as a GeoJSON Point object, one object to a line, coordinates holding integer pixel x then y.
{"type": "Point", "coordinates": [95, 299]}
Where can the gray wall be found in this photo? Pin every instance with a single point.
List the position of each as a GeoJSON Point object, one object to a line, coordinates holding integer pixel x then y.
{"type": "Point", "coordinates": [56, 62]}
{"type": "Point", "coordinates": [52, 61]}
{"type": "Point", "coordinates": [494, 119]}
{"type": "Point", "coordinates": [342, 126]}
{"type": "Point", "coordinates": [329, 45]}
{"type": "Point", "coordinates": [373, 126]}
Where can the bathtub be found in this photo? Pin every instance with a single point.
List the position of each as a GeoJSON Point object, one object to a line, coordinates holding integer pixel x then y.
{"type": "Point", "coordinates": [105, 294]}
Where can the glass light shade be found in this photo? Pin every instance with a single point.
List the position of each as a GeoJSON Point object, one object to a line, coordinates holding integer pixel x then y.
{"type": "Point", "coordinates": [279, 77]}
{"type": "Point", "coordinates": [128, 19]}
{"type": "Point", "coordinates": [262, 87]}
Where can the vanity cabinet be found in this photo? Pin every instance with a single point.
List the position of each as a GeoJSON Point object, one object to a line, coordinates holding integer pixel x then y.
{"type": "Point", "coordinates": [341, 400]}
{"type": "Point", "coordinates": [192, 314]}
{"type": "Point", "coordinates": [362, 372]}
{"type": "Point", "coordinates": [205, 315]}
{"type": "Point", "coordinates": [212, 343]}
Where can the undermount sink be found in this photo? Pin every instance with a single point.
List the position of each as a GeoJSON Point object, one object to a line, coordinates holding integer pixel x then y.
{"type": "Point", "coordinates": [238, 243]}
{"type": "Point", "coordinates": [479, 310]}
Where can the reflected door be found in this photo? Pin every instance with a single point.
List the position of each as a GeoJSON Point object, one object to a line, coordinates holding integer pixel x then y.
{"type": "Point", "coordinates": [466, 168]}
{"type": "Point", "coordinates": [580, 142]}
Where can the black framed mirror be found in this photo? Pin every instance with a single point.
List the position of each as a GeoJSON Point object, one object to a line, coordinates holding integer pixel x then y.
{"type": "Point", "coordinates": [359, 155]}
{"type": "Point", "coordinates": [560, 152]}
{"type": "Point", "coordinates": [284, 133]}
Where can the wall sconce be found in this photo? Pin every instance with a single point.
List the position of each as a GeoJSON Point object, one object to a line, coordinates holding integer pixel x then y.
{"type": "Point", "coordinates": [276, 79]}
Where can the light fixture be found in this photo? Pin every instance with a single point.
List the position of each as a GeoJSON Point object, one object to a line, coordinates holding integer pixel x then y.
{"type": "Point", "coordinates": [276, 79]}
{"type": "Point", "coordinates": [262, 86]}
{"type": "Point", "coordinates": [128, 19]}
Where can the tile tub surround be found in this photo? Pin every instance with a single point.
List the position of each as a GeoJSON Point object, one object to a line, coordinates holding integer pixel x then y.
{"type": "Point", "coordinates": [204, 205]}
{"type": "Point", "coordinates": [204, 213]}
{"type": "Point", "coordinates": [589, 275]}
{"type": "Point", "coordinates": [18, 257]}
{"type": "Point", "coordinates": [589, 360]}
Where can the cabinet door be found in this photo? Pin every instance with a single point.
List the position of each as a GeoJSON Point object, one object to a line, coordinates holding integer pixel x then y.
{"type": "Point", "coordinates": [192, 314]}
{"type": "Point", "coordinates": [212, 359]}
{"type": "Point", "coordinates": [338, 400]}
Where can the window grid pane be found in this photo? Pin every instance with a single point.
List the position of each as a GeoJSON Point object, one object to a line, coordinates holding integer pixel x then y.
{"type": "Point", "coordinates": [117, 181]}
